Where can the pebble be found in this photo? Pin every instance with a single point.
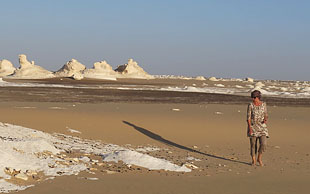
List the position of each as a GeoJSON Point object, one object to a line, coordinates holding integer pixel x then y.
{"type": "Point", "coordinates": [192, 166]}
{"type": "Point", "coordinates": [277, 147]}
{"type": "Point", "coordinates": [93, 169]}
{"type": "Point", "coordinates": [110, 172]}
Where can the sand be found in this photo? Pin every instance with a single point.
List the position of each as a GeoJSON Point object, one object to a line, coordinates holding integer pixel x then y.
{"type": "Point", "coordinates": [213, 134]}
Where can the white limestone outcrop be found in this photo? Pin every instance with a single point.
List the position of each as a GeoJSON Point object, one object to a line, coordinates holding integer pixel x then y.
{"type": "Point", "coordinates": [72, 69]}
{"type": "Point", "coordinates": [29, 70]}
{"type": "Point", "coordinates": [132, 70]}
{"type": "Point", "coordinates": [213, 79]}
{"type": "Point", "coordinates": [6, 68]}
{"type": "Point", "coordinates": [101, 70]}
{"type": "Point", "coordinates": [200, 78]}
{"type": "Point", "coordinates": [249, 79]}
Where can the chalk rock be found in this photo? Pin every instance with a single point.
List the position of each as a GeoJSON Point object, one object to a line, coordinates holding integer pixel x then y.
{"type": "Point", "coordinates": [249, 79]}
{"type": "Point", "coordinates": [6, 68]}
{"type": "Point", "coordinates": [29, 70]}
{"type": "Point", "coordinates": [22, 176]}
{"type": "Point", "coordinates": [201, 78]}
{"type": "Point", "coordinates": [213, 79]}
{"type": "Point", "coordinates": [70, 69]}
{"type": "Point", "coordinates": [101, 70]}
{"type": "Point", "coordinates": [78, 76]}
{"type": "Point", "coordinates": [132, 70]}
{"type": "Point", "coordinates": [259, 84]}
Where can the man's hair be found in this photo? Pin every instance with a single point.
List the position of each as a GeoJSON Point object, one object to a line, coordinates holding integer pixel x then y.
{"type": "Point", "coordinates": [256, 93]}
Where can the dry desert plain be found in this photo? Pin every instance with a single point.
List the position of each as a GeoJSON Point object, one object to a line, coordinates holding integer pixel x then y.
{"type": "Point", "coordinates": [208, 128]}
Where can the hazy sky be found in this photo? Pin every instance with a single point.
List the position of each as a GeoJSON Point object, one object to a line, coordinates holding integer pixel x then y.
{"type": "Point", "coordinates": [266, 39]}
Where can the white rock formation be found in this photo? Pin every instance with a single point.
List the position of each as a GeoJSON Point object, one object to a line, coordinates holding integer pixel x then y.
{"type": "Point", "coordinates": [29, 70]}
{"type": "Point", "coordinates": [6, 68]}
{"type": "Point", "coordinates": [200, 78]}
{"type": "Point", "coordinates": [78, 76]}
{"type": "Point", "coordinates": [249, 79]}
{"type": "Point", "coordinates": [132, 70]}
{"type": "Point", "coordinates": [213, 79]}
{"type": "Point", "coordinates": [70, 69]}
{"type": "Point", "coordinates": [259, 84]}
{"type": "Point", "coordinates": [101, 70]}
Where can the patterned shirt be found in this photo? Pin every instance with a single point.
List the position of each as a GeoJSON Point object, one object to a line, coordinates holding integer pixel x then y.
{"type": "Point", "coordinates": [257, 114]}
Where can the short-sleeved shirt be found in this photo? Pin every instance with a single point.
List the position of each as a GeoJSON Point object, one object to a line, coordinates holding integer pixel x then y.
{"type": "Point", "coordinates": [257, 114]}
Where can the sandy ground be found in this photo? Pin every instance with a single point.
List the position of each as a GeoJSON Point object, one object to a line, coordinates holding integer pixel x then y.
{"type": "Point", "coordinates": [213, 133]}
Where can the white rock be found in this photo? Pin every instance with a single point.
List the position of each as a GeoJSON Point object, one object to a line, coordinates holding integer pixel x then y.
{"type": "Point", "coordinates": [192, 166]}
{"type": "Point", "coordinates": [28, 70]}
{"type": "Point", "coordinates": [213, 79]}
{"type": "Point", "coordinates": [249, 79]}
{"type": "Point", "coordinates": [132, 70]}
{"type": "Point", "coordinates": [77, 76]}
{"type": "Point", "coordinates": [101, 70]}
{"type": "Point", "coordinates": [201, 78]}
{"type": "Point", "coordinates": [219, 85]}
{"type": "Point", "coordinates": [6, 68]}
{"type": "Point", "coordinates": [22, 176]}
{"type": "Point", "coordinates": [70, 69]}
{"type": "Point", "coordinates": [259, 84]}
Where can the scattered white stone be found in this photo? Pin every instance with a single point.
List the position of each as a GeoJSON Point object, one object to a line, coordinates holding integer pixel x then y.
{"type": "Point", "coordinates": [191, 166]}
{"type": "Point", "coordinates": [73, 130]}
{"type": "Point", "coordinates": [192, 158]}
{"type": "Point", "coordinates": [110, 172]}
{"type": "Point", "coordinates": [219, 85]}
{"type": "Point", "coordinates": [175, 109]}
{"type": "Point", "coordinates": [219, 113]}
{"type": "Point", "coordinates": [277, 147]}
{"type": "Point", "coordinates": [84, 159]}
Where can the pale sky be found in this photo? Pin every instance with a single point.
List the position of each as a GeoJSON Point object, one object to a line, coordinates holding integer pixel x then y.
{"type": "Point", "coordinates": [267, 39]}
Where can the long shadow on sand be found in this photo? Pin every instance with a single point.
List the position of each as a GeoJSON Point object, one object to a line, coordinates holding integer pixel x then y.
{"type": "Point", "coordinates": [163, 140]}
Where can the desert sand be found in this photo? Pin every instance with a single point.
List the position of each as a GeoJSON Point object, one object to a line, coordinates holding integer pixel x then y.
{"type": "Point", "coordinates": [210, 136]}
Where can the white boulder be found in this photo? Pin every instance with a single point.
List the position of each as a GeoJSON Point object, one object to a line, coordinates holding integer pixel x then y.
{"type": "Point", "coordinates": [70, 69]}
{"type": "Point", "coordinates": [249, 79]}
{"type": "Point", "coordinates": [78, 76]}
{"type": "Point", "coordinates": [132, 70]}
{"type": "Point", "coordinates": [101, 70]}
{"type": "Point", "coordinates": [6, 68]}
{"type": "Point", "coordinates": [29, 70]}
